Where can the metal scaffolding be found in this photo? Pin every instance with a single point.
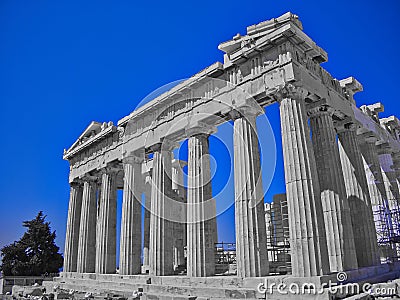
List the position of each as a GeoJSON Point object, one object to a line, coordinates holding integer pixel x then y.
{"type": "Point", "coordinates": [387, 225]}
{"type": "Point", "coordinates": [278, 246]}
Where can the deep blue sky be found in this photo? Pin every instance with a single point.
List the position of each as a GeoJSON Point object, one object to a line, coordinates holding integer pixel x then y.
{"type": "Point", "coordinates": [65, 63]}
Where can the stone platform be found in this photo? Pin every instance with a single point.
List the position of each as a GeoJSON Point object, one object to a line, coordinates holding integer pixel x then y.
{"type": "Point", "coordinates": [216, 287]}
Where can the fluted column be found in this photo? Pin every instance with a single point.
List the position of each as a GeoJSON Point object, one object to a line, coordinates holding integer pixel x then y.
{"type": "Point", "coordinates": [358, 197]}
{"type": "Point", "coordinates": [389, 177]}
{"type": "Point", "coordinates": [177, 177]}
{"type": "Point", "coordinates": [161, 239]}
{"type": "Point", "coordinates": [106, 241]}
{"type": "Point", "coordinates": [251, 240]}
{"type": "Point", "coordinates": [179, 213]}
{"type": "Point", "coordinates": [87, 233]}
{"type": "Point", "coordinates": [131, 221]}
{"type": "Point", "coordinates": [380, 206]}
{"type": "Point", "coordinates": [307, 233]}
{"type": "Point", "coordinates": [73, 223]}
{"type": "Point", "coordinates": [200, 235]}
{"type": "Point", "coordinates": [336, 210]}
{"type": "Point", "coordinates": [146, 237]}
{"type": "Point", "coordinates": [374, 175]}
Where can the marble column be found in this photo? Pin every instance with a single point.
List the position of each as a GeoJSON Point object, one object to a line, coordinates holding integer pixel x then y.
{"type": "Point", "coordinates": [178, 232]}
{"type": "Point", "coordinates": [389, 176]}
{"type": "Point", "coordinates": [131, 221]}
{"type": "Point", "coordinates": [87, 233]}
{"type": "Point", "coordinates": [336, 210]}
{"type": "Point", "coordinates": [376, 186]}
{"type": "Point", "coordinates": [200, 235]}
{"type": "Point", "coordinates": [177, 177]}
{"type": "Point", "coordinates": [309, 253]}
{"type": "Point", "coordinates": [146, 231]}
{"type": "Point", "coordinates": [106, 241]}
{"type": "Point", "coordinates": [179, 213]}
{"type": "Point", "coordinates": [251, 239]}
{"type": "Point", "coordinates": [73, 223]}
{"type": "Point", "coordinates": [373, 174]}
{"type": "Point", "coordinates": [161, 227]}
{"type": "Point", "coordinates": [358, 197]}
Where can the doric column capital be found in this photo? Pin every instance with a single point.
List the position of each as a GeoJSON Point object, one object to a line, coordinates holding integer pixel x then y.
{"type": "Point", "coordinates": [178, 163]}
{"type": "Point", "coordinates": [111, 169]}
{"type": "Point", "coordinates": [290, 91]}
{"type": "Point", "coordinates": [396, 156]}
{"type": "Point", "coordinates": [164, 145]}
{"type": "Point", "coordinates": [383, 147]}
{"type": "Point", "coordinates": [367, 137]}
{"type": "Point", "coordinates": [200, 128]}
{"type": "Point", "coordinates": [320, 110]}
{"type": "Point", "coordinates": [346, 127]}
{"type": "Point", "coordinates": [396, 162]}
{"type": "Point", "coordinates": [89, 178]}
{"type": "Point", "coordinates": [76, 183]}
{"type": "Point", "coordinates": [136, 157]}
{"type": "Point", "coordinates": [132, 159]}
{"type": "Point", "coordinates": [249, 109]}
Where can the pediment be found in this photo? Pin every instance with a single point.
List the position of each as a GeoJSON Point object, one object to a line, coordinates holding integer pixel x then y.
{"type": "Point", "coordinates": [257, 31]}
{"type": "Point", "coordinates": [92, 132]}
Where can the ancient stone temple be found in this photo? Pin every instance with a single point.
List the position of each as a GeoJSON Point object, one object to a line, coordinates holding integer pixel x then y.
{"type": "Point", "coordinates": [341, 163]}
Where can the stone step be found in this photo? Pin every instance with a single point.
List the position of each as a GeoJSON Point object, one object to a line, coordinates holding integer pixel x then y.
{"type": "Point", "coordinates": [171, 288]}
{"type": "Point", "coordinates": [152, 296]}
{"type": "Point", "coordinates": [216, 287]}
{"type": "Point", "coordinates": [215, 281]}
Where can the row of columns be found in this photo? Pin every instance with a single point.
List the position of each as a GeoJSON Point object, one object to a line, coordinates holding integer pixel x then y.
{"type": "Point", "coordinates": [330, 210]}
{"type": "Point", "coordinates": [98, 254]}
{"type": "Point", "coordinates": [330, 201]}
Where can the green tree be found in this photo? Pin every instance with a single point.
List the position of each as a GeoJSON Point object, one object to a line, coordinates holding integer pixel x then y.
{"type": "Point", "coordinates": [35, 253]}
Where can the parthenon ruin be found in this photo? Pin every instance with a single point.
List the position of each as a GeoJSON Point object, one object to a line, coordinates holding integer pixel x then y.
{"type": "Point", "coordinates": [341, 163]}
